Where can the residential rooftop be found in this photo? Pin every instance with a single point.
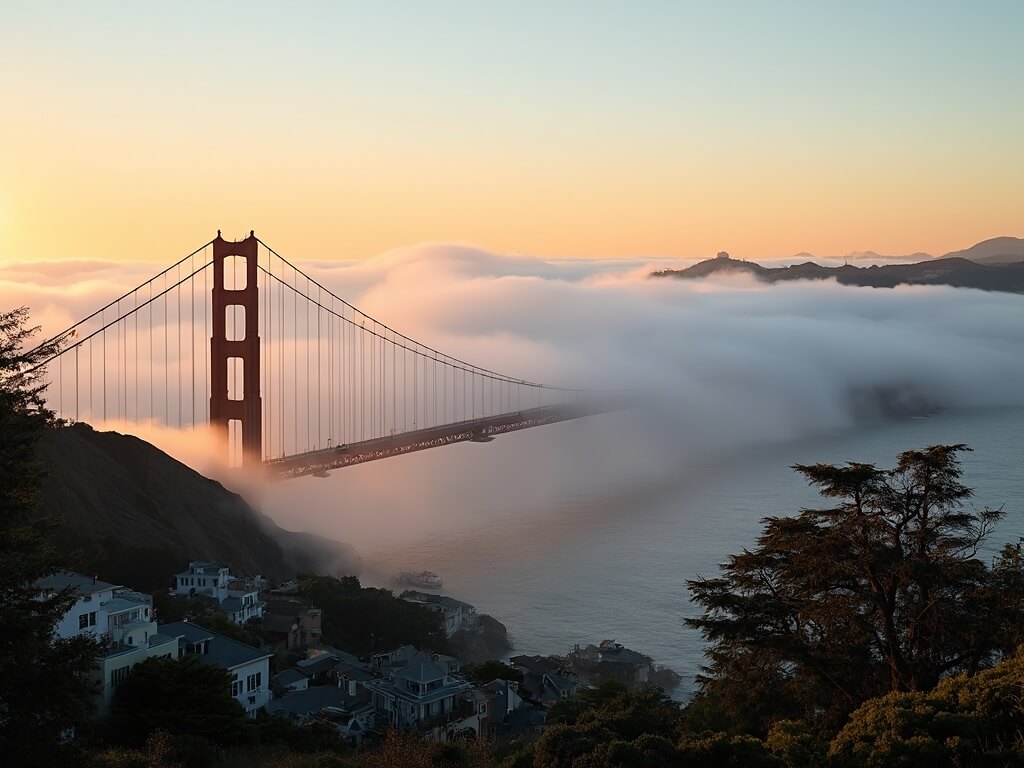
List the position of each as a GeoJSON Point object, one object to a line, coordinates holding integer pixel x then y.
{"type": "Point", "coordinates": [421, 669]}
{"type": "Point", "coordinates": [315, 699]}
{"type": "Point", "coordinates": [223, 651]}
{"type": "Point", "coordinates": [83, 585]}
{"type": "Point", "coordinates": [289, 676]}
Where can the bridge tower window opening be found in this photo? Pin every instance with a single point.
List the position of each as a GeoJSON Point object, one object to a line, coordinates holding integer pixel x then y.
{"type": "Point", "coordinates": [234, 322]}
{"type": "Point", "coordinates": [235, 273]}
{"type": "Point", "coordinates": [236, 379]}
{"type": "Point", "coordinates": [234, 443]}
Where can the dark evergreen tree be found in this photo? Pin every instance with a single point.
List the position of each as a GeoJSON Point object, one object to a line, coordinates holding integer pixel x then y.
{"type": "Point", "coordinates": [186, 698]}
{"type": "Point", "coordinates": [883, 591]}
{"type": "Point", "coordinates": [46, 684]}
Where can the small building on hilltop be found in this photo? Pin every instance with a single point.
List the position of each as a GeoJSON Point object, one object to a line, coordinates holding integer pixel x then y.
{"type": "Point", "coordinates": [291, 622]}
{"type": "Point", "coordinates": [237, 598]}
{"type": "Point", "coordinates": [456, 614]}
{"type": "Point", "coordinates": [612, 660]}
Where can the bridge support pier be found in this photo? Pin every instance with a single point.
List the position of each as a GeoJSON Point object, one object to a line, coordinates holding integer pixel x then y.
{"type": "Point", "coordinates": [240, 353]}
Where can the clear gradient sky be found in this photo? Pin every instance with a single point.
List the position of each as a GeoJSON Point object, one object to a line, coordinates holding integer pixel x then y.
{"type": "Point", "coordinates": [568, 128]}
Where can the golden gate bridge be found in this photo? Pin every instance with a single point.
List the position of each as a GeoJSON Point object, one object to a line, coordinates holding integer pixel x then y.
{"type": "Point", "coordinates": [289, 375]}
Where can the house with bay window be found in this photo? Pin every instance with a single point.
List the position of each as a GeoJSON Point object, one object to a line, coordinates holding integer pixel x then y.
{"type": "Point", "coordinates": [122, 619]}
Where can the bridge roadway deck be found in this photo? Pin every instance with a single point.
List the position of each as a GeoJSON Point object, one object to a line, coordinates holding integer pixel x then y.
{"type": "Point", "coordinates": [480, 430]}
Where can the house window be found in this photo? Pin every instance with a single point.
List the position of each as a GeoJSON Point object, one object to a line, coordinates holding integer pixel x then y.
{"type": "Point", "coordinates": [87, 620]}
{"type": "Point", "coordinates": [252, 682]}
{"type": "Point", "coordinates": [236, 686]}
{"type": "Point", "coordinates": [117, 676]}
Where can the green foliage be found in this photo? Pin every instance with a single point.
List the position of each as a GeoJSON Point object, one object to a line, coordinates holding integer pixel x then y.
{"type": "Point", "coordinates": [882, 591]}
{"type": "Point", "coordinates": [720, 750]}
{"type": "Point", "coordinates": [796, 745]}
{"type": "Point", "coordinates": [632, 714]}
{"type": "Point", "coordinates": [966, 720]}
{"type": "Point", "coordinates": [569, 710]}
{"type": "Point", "coordinates": [172, 608]}
{"type": "Point", "coordinates": [609, 726]}
{"type": "Point", "coordinates": [481, 674]}
{"type": "Point", "coordinates": [202, 610]}
{"type": "Point", "coordinates": [562, 745]}
{"type": "Point", "coordinates": [646, 751]}
{"type": "Point", "coordinates": [365, 620]}
{"type": "Point", "coordinates": [406, 750]}
{"type": "Point", "coordinates": [46, 684]}
{"type": "Point", "coordinates": [158, 753]}
{"type": "Point", "coordinates": [318, 736]}
{"type": "Point", "coordinates": [184, 697]}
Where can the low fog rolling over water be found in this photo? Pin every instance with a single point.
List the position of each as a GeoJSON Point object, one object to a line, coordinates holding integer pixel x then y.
{"type": "Point", "coordinates": [587, 530]}
{"type": "Point", "coordinates": [529, 529]}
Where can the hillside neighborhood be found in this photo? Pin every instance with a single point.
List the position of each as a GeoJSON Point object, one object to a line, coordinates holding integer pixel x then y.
{"type": "Point", "coordinates": [290, 673]}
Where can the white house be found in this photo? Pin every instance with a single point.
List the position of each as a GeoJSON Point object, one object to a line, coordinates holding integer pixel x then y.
{"type": "Point", "coordinates": [249, 667]}
{"type": "Point", "coordinates": [421, 694]}
{"type": "Point", "coordinates": [238, 598]}
{"type": "Point", "coordinates": [119, 616]}
{"type": "Point", "coordinates": [455, 613]}
{"type": "Point", "coordinates": [203, 578]}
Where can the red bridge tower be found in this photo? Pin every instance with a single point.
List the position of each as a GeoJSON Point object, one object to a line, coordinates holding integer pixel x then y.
{"type": "Point", "coordinates": [242, 353]}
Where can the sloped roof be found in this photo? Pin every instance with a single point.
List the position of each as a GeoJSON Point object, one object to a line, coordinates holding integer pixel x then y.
{"type": "Point", "coordinates": [312, 700]}
{"type": "Point", "coordinates": [223, 651]}
{"type": "Point", "coordinates": [275, 622]}
{"type": "Point", "coordinates": [421, 669]}
{"type": "Point", "coordinates": [83, 585]}
{"type": "Point", "coordinates": [320, 663]}
{"type": "Point", "coordinates": [289, 676]}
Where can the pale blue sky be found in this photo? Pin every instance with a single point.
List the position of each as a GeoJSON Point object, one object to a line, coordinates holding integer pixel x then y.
{"type": "Point", "coordinates": [674, 105]}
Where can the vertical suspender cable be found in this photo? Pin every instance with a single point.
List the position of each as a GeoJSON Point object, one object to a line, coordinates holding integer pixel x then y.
{"type": "Point", "coordinates": [177, 293]}
{"type": "Point", "coordinates": [319, 433]}
{"type": "Point", "coordinates": [192, 339]}
{"type": "Point", "coordinates": [104, 392]}
{"type": "Point", "coordinates": [167, 413]}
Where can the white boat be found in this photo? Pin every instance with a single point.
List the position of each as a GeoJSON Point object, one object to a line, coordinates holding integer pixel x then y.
{"type": "Point", "coordinates": [423, 579]}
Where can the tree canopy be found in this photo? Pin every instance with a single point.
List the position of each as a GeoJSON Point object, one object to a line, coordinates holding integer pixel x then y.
{"type": "Point", "coordinates": [46, 683]}
{"type": "Point", "coordinates": [364, 620]}
{"type": "Point", "coordinates": [882, 590]}
{"type": "Point", "coordinates": [181, 696]}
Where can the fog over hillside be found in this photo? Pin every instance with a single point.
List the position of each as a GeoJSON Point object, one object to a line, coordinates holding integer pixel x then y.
{"type": "Point", "coordinates": [721, 363]}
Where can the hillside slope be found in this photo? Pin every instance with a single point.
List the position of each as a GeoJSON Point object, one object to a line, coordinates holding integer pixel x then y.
{"type": "Point", "coordinates": [998, 250]}
{"type": "Point", "coordinates": [956, 272]}
{"type": "Point", "coordinates": [133, 515]}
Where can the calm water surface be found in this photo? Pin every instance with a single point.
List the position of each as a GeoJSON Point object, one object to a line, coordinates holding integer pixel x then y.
{"type": "Point", "coordinates": [563, 556]}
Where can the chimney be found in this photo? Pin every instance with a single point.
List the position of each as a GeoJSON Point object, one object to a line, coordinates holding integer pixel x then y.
{"type": "Point", "coordinates": [351, 687]}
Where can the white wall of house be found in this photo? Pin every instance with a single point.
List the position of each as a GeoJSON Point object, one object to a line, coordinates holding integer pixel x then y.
{"type": "Point", "coordinates": [114, 668]}
{"type": "Point", "coordinates": [252, 606]}
{"type": "Point", "coordinates": [86, 616]}
{"type": "Point", "coordinates": [250, 685]}
{"type": "Point", "coordinates": [202, 579]}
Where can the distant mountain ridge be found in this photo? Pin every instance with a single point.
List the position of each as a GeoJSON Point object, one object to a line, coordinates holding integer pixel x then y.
{"type": "Point", "coordinates": [954, 271]}
{"type": "Point", "coordinates": [133, 515]}
{"type": "Point", "coordinates": [997, 250]}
